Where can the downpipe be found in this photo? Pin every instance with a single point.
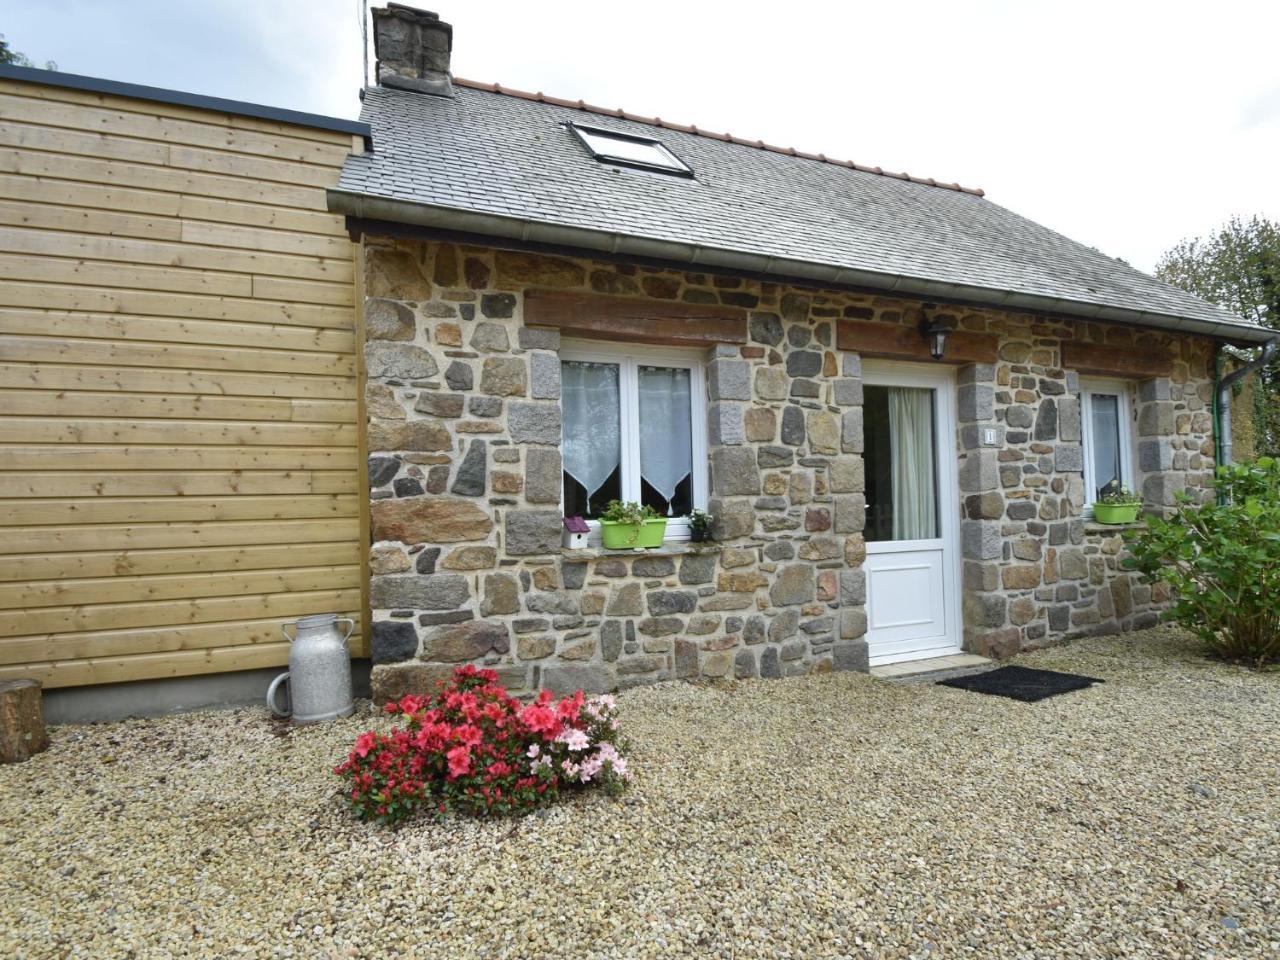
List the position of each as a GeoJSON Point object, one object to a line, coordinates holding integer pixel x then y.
{"type": "Point", "coordinates": [1223, 397]}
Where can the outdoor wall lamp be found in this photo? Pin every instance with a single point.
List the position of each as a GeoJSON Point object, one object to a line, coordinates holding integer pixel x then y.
{"type": "Point", "coordinates": [935, 331]}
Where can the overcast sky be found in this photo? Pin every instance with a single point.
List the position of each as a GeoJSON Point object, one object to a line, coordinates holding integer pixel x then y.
{"type": "Point", "coordinates": [1124, 125]}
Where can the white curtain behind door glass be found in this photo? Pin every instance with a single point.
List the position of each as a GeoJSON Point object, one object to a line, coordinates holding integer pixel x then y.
{"type": "Point", "coordinates": [592, 421]}
{"type": "Point", "coordinates": [666, 441]}
{"type": "Point", "coordinates": [911, 468]}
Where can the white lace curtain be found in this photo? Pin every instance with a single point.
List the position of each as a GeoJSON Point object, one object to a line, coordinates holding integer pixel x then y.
{"type": "Point", "coordinates": [592, 422]}
{"type": "Point", "coordinates": [911, 467]}
{"type": "Point", "coordinates": [666, 442]}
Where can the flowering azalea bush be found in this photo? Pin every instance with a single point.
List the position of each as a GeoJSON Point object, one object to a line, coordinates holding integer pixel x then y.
{"type": "Point", "coordinates": [473, 747]}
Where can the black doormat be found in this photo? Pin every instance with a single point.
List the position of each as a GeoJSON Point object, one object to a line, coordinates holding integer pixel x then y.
{"type": "Point", "coordinates": [1020, 683]}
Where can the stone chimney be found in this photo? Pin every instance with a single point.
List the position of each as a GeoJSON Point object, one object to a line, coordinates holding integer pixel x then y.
{"type": "Point", "coordinates": [412, 47]}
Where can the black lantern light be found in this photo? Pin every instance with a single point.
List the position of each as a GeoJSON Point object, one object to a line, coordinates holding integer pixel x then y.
{"type": "Point", "coordinates": [935, 330]}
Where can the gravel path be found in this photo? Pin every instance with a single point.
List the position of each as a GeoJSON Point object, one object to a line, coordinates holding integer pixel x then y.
{"type": "Point", "coordinates": [835, 816]}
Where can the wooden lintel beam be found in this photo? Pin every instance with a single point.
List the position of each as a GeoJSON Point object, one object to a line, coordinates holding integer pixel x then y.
{"type": "Point", "coordinates": [634, 319]}
{"type": "Point", "coordinates": [893, 341]}
{"type": "Point", "coordinates": [1115, 360]}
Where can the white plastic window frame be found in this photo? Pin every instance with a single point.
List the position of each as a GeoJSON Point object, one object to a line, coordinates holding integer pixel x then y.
{"type": "Point", "coordinates": [596, 140]}
{"type": "Point", "coordinates": [629, 358]}
{"type": "Point", "coordinates": [1089, 386]}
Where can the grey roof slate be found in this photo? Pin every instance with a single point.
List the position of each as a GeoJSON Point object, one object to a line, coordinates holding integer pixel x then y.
{"type": "Point", "coordinates": [502, 155]}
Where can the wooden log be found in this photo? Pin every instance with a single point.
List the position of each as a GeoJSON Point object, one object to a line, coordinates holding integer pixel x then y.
{"type": "Point", "coordinates": [21, 720]}
{"type": "Point", "coordinates": [635, 320]}
{"type": "Point", "coordinates": [1108, 360]}
{"type": "Point", "coordinates": [892, 341]}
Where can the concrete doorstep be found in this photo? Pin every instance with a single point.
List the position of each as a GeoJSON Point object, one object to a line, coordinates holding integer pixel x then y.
{"type": "Point", "coordinates": [934, 668]}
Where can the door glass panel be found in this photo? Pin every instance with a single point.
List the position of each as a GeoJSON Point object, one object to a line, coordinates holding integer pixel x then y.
{"type": "Point", "coordinates": [902, 476]}
{"type": "Point", "coordinates": [666, 440]}
{"type": "Point", "coordinates": [592, 437]}
{"type": "Point", "coordinates": [1106, 440]}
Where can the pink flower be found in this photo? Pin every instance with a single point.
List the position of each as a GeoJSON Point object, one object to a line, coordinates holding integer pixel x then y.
{"type": "Point", "coordinates": [574, 739]}
{"type": "Point", "coordinates": [533, 750]}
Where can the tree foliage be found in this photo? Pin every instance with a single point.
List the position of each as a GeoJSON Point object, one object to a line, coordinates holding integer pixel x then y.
{"type": "Point", "coordinates": [19, 59]}
{"type": "Point", "coordinates": [1238, 267]}
{"type": "Point", "coordinates": [1222, 560]}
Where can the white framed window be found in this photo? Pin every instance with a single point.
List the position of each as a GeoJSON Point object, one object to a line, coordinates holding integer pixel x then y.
{"type": "Point", "coordinates": [1105, 418]}
{"type": "Point", "coordinates": [635, 428]}
{"type": "Point", "coordinates": [609, 146]}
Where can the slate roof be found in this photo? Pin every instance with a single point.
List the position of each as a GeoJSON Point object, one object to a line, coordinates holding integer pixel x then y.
{"type": "Point", "coordinates": [496, 163]}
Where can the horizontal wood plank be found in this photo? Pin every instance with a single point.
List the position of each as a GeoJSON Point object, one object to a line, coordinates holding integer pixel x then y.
{"type": "Point", "coordinates": [61, 593]}
{"type": "Point", "coordinates": [98, 197]}
{"type": "Point", "coordinates": [897, 342]}
{"type": "Point", "coordinates": [43, 403]}
{"type": "Point", "coordinates": [26, 456]}
{"type": "Point", "coordinates": [229, 433]}
{"type": "Point", "coordinates": [104, 326]}
{"type": "Point", "coordinates": [49, 243]}
{"type": "Point", "coordinates": [156, 303]}
{"type": "Point", "coordinates": [180, 381]}
{"type": "Point", "coordinates": [137, 563]}
{"type": "Point", "coordinates": [635, 320]}
{"type": "Point", "coordinates": [174, 483]}
{"type": "Point", "coordinates": [83, 220]}
{"type": "Point", "coordinates": [111, 510]}
{"type": "Point", "coordinates": [98, 273]}
{"type": "Point", "coordinates": [147, 354]}
{"type": "Point", "coordinates": [161, 179]}
{"type": "Point", "coordinates": [192, 638]}
{"type": "Point", "coordinates": [147, 536]}
{"type": "Point", "coordinates": [115, 616]}
{"type": "Point", "coordinates": [1109, 360]}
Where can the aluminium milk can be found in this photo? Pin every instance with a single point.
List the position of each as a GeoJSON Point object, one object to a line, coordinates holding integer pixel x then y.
{"type": "Point", "coordinates": [319, 675]}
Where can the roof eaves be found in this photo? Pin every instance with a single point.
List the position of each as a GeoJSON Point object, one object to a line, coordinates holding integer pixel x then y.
{"type": "Point", "coordinates": [370, 207]}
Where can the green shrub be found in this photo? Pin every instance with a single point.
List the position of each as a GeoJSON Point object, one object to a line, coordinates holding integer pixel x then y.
{"type": "Point", "coordinates": [1222, 561]}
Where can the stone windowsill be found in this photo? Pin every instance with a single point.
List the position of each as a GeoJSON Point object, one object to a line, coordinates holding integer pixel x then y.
{"type": "Point", "coordinates": [1093, 526]}
{"type": "Point", "coordinates": [672, 548]}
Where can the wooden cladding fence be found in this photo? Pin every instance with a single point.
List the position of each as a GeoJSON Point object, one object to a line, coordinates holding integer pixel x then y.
{"type": "Point", "coordinates": [179, 441]}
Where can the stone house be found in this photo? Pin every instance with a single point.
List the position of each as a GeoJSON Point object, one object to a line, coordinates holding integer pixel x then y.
{"type": "Point", "coordinates": [897, 399]}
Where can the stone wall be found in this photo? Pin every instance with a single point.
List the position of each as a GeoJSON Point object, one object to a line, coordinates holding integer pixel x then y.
{"type": "Point", "coordinates": [464, 470]}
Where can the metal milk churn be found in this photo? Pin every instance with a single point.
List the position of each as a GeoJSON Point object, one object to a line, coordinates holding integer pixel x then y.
{"type": "Point", "coordinates": [319, 676]}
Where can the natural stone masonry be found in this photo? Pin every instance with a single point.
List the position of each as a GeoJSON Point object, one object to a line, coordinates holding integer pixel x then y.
{"type": "Point", "coordinates": [465, 472]}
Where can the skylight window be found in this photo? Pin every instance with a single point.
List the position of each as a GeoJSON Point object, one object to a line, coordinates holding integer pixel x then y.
{"type": "Point", "coordinates": [610, 147]}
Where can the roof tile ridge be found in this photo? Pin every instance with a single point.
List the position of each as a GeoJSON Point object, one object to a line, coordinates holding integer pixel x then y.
{"type": "Point", "coordinates": [540, 97]}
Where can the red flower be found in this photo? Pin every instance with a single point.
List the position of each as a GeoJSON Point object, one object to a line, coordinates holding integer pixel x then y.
{"type": "Point", "coordinates": [459, 762]}
{"type": "Point", "coordinates": [410, 703]}
{"type": "Point", "coordinates": [540, 719]}
{"type": "Point", "coordinates": [366, 742]}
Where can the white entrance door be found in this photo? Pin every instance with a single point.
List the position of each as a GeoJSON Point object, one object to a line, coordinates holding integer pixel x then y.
{"type": "Point", "coordinates": [912, 512]}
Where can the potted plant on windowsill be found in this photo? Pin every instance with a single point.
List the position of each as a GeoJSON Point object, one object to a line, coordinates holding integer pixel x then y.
{"type": "Point", "coordinates": [699, 525]}
{"type": "Point", "coordinates": [1119, 505]}
{"type": "Point", "coordinates": [625, 526]}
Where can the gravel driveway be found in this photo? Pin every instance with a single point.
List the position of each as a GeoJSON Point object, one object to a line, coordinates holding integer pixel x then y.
{"type": "Point", "coordinates": [835, 816]}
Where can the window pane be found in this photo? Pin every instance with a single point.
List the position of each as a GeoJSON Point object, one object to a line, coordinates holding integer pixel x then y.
{"type": "Point", "coordinates": [902, 488]}
{"type": "Point", "coordinates": [636, 151]}
{"type": "Point", "coordinates": [666, 440]}
{"type": "Point", "coordinates": [1105, 432]}
{"type": "Point", "coordinates": [592, 433]}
